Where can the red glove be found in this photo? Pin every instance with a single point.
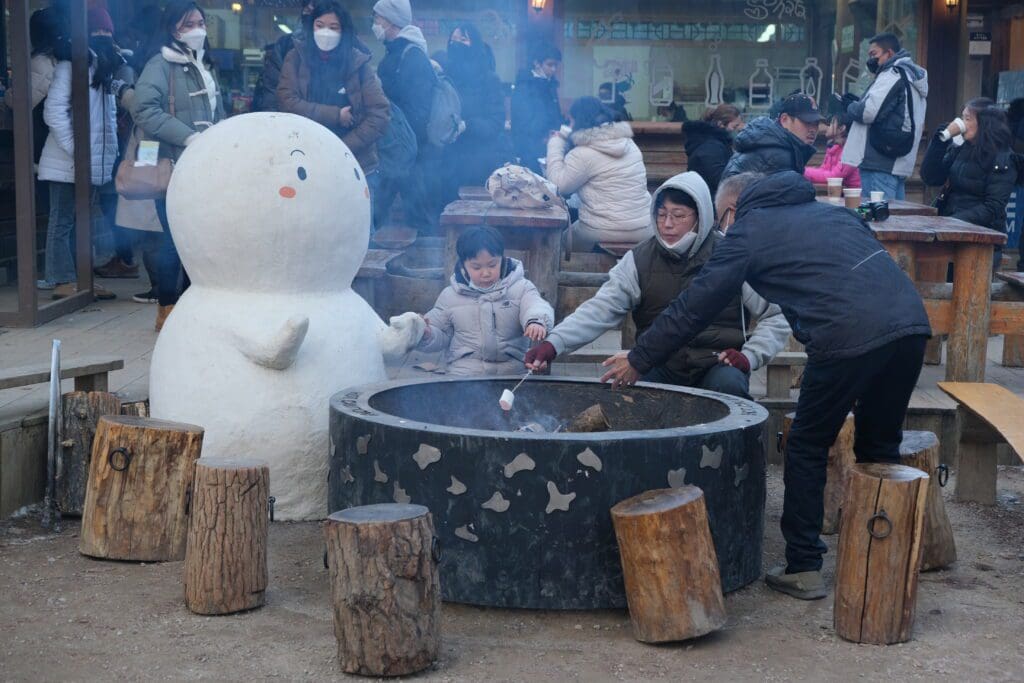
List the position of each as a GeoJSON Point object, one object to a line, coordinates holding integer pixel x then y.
{"type": "Point", "coordinates": [542, 353]}
{"type": "Point", "coordinates": [737, 360]}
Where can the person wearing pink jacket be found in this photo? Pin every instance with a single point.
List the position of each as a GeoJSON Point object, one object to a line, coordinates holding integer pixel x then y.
{"type": "Point", "coordinates": [833, 167]}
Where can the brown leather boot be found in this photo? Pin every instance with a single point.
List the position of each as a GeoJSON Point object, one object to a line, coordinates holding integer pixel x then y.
{"type": "Point", "coordinates": [161, 315]}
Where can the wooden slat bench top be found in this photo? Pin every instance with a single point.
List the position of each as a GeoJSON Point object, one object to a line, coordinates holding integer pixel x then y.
{"type": "Point", "coordinates": [934, 229]}
{"type": "Point", "coordinates": [478, 212]}
{"type": "Point", "coordinates": [394, 237]}
{"type": "Point", "coordinates": [997, 406]}
{"type": "Point", "coordinates": [1015, 279]}
{"type": "Point", "coordinates": [38, 374]}
{"type": "Point", "coordinates": [376, 262]}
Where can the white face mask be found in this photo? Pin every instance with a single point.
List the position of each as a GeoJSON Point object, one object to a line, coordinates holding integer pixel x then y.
{"type": "Point", "coordinates": [378, 31]}
{"type": "Point", "coordinates": [326, 39]}
{"type": "Point", "coordinates": [195, 38]}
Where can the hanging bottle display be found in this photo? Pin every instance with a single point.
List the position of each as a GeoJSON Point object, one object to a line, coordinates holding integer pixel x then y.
{"type": "Point", "coordinates": [762, 86]}
{"type": "Point", "coordinates": [713, 82]}
{"type": "Point", "coordinates": [662, 85]}
{"type": "Point", "coordinates": [810, 78]}
{"type": "Point", "coordinates": [851, 76]}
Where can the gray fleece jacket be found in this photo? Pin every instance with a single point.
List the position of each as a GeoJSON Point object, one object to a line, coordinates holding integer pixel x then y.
{"type": "Point", "coordinates": [621, 294]}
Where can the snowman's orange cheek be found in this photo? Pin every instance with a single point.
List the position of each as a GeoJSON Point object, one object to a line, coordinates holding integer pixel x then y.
{"type": "Point", "coordinates": [287, 192]}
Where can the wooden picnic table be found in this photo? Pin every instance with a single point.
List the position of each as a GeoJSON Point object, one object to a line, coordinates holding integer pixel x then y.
{"type": "Point", "coordinates": [536, 233]}
{"type": "Point", "coordinates": [901, 207]}
{"type": "Point", "coordinates": [969, 315]}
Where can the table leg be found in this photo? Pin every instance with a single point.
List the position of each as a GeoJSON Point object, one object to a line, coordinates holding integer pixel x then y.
{"type": "Point", "coordinates": [905, 256]}
{"type": "Point", "coordinates": [968, 334]}
{"type": "Point", "coordinates": [932, 269]}
{"type": "Point", "coordinates": [451, 256]}
{"type": "Point", "coordinates": [1013, 351]}
{"type": "Point", "coordinates": [545, 261]}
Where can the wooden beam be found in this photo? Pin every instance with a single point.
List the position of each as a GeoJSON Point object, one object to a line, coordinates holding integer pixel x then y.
{"type": "Point", "coordinates": [1005, 317]}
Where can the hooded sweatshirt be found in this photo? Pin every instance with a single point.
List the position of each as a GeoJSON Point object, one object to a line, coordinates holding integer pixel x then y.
{"type": "Point", "coordinates": [607, 169]}
{"type": "Point", "coordinates": [766, 147]}
{"type": "Point", "coordinates": [622, 294]}
{"type": "Point", "coordinates": [841, 292]}
{"type": "Point", "coordinates": [482, 332]}
{"type": "Point", "coordinates": [858, 151]}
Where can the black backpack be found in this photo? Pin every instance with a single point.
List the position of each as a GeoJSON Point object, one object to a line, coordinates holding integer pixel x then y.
{"type": "Point", "coordinates": [886, 133]}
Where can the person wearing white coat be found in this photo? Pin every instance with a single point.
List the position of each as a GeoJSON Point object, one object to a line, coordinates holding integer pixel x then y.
{"type": "Point", "coordinates": [57, 165]}
{"type": "Point", "coordinates": [606, 169]}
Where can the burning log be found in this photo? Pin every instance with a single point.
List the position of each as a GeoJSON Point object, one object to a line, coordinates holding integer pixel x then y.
{"type": "Point", "coordinates": [592, 419]}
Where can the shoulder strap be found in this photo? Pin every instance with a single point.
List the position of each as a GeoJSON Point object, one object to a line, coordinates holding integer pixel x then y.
{"type": "Point", "coordinates": [910, 97]}
{"type": "Point", "coordinates": [170, 89]}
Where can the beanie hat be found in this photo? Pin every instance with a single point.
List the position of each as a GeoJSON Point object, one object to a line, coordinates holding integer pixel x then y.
{"type": "Point", "coordinates": [99, 20]}
{"type": "Point", "coordinates": [398, 12]}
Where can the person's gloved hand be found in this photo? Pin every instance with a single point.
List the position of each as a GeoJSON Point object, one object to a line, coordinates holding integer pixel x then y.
{"type": "Point", "coordinates": [540, 355]}
{"type": "Point", "coordinates": [735, 359]}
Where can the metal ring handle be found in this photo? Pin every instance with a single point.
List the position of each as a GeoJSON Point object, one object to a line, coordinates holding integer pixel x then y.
{"type": "Point", "coordinates": [270, 505]}
{"type": "Point", "coordinates": [778, 442]}
{"type": "Point", "coordinates": [943, 472]}
{"type": "Point", "coordinates": [871, 525]}
{"type": "Point", "coordinates": [126, 459]}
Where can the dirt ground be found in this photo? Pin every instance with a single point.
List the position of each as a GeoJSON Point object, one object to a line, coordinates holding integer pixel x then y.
{"type": "Point", "coordinates": [66, 617]}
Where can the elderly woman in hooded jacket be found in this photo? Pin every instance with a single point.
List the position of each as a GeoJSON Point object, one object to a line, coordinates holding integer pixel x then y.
{"type": "Point", "coordinates": [328, 78]}
{"type": "Point", "coordinates": [607, 169]}
{"type": "Point", "coordinates": [972, 157]}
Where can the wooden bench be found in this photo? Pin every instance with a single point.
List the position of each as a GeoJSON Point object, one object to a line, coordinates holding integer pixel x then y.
{"type": "Point", "coordinates": [90, 374]}
{"type": "Point", "coordinates": [780, 373]}
{"type": "Point", "coordinates": [989, 415]}
{"type": "Point", "coordinates": [1013, 344]}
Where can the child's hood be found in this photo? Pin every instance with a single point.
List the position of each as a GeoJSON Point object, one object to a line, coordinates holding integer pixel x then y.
{"type": "Point", "coordinates": [515, 274]}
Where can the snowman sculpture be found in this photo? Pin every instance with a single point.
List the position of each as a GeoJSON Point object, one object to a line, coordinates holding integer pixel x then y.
{"type": "Point", "coordinates": [270, 214]}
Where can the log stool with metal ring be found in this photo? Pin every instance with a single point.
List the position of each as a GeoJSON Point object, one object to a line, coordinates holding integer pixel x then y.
{"type": "Point", "coordinates": [226, 557]}
{"type": "Point", "coordinates": [383, 562]}
{"type": "Point", "coordinates": [136, 501]}
{"type": "Point", "coordinates": [921, 450]}
{"type": "Point", "coordinates": [879, 553]}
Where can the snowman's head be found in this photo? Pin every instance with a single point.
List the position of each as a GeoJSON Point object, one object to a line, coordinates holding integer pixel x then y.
{"type": "Point", "coordinates": [269, 202]}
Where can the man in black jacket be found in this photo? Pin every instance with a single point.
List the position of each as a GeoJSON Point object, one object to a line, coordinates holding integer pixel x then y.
{"type": "Point", "coordinates": [408, 79]}
{"type": "Point", "coordinates": [785, 144]}
{"type": "Point", "coordinates": [858, 315]}
{"type": "Point", "coordinates": [535, 108]}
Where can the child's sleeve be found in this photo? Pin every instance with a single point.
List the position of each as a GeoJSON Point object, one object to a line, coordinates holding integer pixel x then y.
{"type": "Point", "coordinates": [439, 321]}
{"type": "Point", "coordinates": [534, 309]}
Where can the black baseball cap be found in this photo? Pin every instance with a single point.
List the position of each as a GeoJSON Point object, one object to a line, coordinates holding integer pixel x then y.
{"type": "Point", "coordinates": [802, 107]}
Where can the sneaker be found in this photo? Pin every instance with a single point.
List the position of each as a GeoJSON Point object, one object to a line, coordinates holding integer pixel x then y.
{"type": "Point", "coordinates": [149, 297]}
{"type": "Point", "coordinates": [116, 268]}
{"type": "Point", "coordinates": [802, 585]}
{"type": "Point", "coordinates": [45, 285]}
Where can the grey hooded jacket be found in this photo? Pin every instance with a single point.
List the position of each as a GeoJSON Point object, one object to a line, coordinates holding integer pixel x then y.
{"type": "Point", "coordinates": [621, 294]}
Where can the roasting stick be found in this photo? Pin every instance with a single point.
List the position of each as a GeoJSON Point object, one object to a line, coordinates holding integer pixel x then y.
{"type": "Point", "coordinates": [507, 397]}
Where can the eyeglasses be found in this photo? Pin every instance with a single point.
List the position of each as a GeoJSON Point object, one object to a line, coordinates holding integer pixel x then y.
{"type": "Point", "coordinates": [676, 216]}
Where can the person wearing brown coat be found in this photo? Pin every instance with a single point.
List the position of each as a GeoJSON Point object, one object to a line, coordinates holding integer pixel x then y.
{"type": "Point", "coordinates": [328, 78]}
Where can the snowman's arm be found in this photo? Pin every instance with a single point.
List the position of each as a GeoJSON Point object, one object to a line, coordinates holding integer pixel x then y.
{"type": "Point", "coordinates": [279, 351]}
{"type": "Point", "coordinates": [401, 336]}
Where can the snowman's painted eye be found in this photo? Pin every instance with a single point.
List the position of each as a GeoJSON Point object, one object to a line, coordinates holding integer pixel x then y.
{"type": "Point", "coordinates": [356, 171]}
{"type": "Point", "coordinates": [302, 173]}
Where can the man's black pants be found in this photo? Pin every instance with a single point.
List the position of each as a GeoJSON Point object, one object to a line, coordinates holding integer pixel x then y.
{"type": "Point", "coordinates": [877, 385]}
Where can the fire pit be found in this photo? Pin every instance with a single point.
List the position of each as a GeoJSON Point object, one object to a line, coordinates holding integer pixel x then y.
{"type": "Point", "coordinates": [521, 509]}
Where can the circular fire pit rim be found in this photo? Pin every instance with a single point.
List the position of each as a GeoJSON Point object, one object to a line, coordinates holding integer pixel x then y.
{"type": "Point", "coordinates": [742, 412]}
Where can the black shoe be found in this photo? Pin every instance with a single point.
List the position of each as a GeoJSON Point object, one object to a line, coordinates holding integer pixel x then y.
{"type": "Point", "coordinates": [149, 297]}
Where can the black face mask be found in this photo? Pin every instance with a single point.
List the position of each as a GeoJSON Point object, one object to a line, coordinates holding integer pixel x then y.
{"type": "Point", "coordinates": [873, 65]}
{"type": "Point", "coordinates": [459, 52]}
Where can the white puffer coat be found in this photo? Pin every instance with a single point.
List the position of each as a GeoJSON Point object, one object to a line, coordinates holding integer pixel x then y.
{"type": "Point", "coordinates": [607, 169]}
{"type": "Point", "coordinates": [482, 332]}
{"type": "Point", "coordinates": [57, 160]}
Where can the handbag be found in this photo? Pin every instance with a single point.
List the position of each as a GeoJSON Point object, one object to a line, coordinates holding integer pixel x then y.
{"type": "Point", "coordinates": [144, 182]}
{"type": "Point", "coordinates": [517, 187]}
{"type": "Point", "coordinates": [940, 200]}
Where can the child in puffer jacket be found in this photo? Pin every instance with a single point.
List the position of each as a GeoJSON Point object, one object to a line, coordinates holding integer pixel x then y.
{"type": "Point", "coordinates": [487, 317]}
{"type": "Point", "coordinates": [833, 166]}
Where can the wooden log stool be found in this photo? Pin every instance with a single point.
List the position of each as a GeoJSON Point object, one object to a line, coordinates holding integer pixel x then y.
{"type": "Point", "coordinates": [921, 450]}
{"type": "Point", "coordinates": [80, 413]}
{"type": "Point", "coordinates": [140, 481]}
{"type": "Point", "coordinates": [226, 555]}
{"type": "Point", "coordinates": [879, 553]}
{"type": "Point", "coordinates": [840, 459]}
{"type": "Point", "coordinates": [669, 565]}
{"type": "Point", "coordinates": [385, 588]}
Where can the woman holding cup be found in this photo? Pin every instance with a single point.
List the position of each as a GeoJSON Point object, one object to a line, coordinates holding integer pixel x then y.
{"type": "Point", "coordinates": [972, 159]}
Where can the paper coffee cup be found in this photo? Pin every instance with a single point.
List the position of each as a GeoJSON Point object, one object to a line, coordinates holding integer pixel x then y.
{"type": "Point", "coordinates": [835, 187]}
{"type": "Point", "coordinates": [877, 196]}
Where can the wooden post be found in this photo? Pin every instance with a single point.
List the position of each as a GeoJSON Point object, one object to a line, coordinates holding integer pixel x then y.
{"type": "Point", "coordinates": [140, 480]}
{"type": "Point", "coordinates": [921, 450]}
{"type": "Point", "coordinates": [226, 555]}
{"type": "Point", "coordinates": [385, 588]}
{"type": "Point", "coordinates": [80, 411]}
{"type": "Point", "coordinates": [669, 565]}
{"type": "Point", "coordinates": [977, 460]}
{"type": "Point", "coordinates": [968, 335]}
{"type": "Point", "coordinates": [879, 553]}
{"type": "Point", "coordinates": [1013, 350]}
{"type": "Point", "coordinates": [840, 459]}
